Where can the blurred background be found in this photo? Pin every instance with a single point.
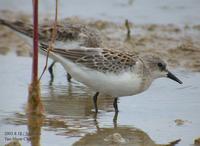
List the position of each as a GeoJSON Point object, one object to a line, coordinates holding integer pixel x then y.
{"type": "Point", "coordinates": [138, 11]}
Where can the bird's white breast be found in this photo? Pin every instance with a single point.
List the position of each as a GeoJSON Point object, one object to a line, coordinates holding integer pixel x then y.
{"type": "Point", "coordinates": [122, 84]}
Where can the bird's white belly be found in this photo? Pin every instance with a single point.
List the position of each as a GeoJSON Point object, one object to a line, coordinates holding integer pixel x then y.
{"type": "Point", "coordinates": [123, 84]}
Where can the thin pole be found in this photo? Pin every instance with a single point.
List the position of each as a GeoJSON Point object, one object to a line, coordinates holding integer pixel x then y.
{"type": "Point", "coordinates": [35, 42]}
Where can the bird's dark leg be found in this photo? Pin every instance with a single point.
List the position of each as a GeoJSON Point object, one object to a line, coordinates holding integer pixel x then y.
{"type": "Point", "coordinates": [115, 119]}
{"type": "Point", "coordinates": [69, 77]}
{"type": "Point", "coordinates": [115, 105]}
{"type": "Point", "coordinates": [95, 101]}
{"type": "Point", "coordinates": [116, 110]}
{"type": "Point", "coordinates": [51, 70]}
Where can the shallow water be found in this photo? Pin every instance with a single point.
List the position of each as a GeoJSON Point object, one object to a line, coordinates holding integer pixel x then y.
{"type": "Point", "coordinates": [145, 118]}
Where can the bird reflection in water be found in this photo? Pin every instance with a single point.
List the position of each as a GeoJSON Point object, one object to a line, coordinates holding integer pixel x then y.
{"type": "Point", "coordinates": [69, 113]}
{"type": "Point", "coordinates": [73, 99]}
{"type": "Point", "coordinates": [76, 106]}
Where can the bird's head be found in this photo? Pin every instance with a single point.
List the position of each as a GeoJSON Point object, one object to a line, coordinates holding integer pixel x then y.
{"type": "Point", "coordinates": [158, 68]}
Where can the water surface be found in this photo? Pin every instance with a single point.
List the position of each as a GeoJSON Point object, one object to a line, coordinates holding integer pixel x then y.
{"type": "Point", "coordinates": [145, 118]}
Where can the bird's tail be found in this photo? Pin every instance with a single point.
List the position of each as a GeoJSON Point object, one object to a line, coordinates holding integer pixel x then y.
{"type": "Point", "coordinates": [2, 22]}
{"type": "Point", "coordinates": [18, 26]}
{"type": "Point", "coordinates": [43, 47]}
{"type": "Point", "coordinates": [6, 23]}
{"type": "Point", "coordinates": [44, 51]}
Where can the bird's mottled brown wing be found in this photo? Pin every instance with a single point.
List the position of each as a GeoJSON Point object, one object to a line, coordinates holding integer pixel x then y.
{"type": "Point", "coordinates": [103, 60]}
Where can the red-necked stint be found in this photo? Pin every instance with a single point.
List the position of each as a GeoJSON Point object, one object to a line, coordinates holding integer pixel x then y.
{"type": "Point", "coordinates": [111, 72]}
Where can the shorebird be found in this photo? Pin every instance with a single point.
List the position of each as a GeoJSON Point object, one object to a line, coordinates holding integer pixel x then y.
{"type": "Point", "coordinates": [67, 36]}
{"type": "Point", "coordinates": [106, 71]}
{"type": "Point", "coordinates": [111, 72]}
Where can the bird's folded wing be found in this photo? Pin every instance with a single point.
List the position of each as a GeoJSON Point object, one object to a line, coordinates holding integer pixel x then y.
{"type": "Point", "coordinates": [103, 60]}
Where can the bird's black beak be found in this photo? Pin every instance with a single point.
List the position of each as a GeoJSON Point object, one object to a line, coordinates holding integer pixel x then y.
{"type": "Point", "coordinates": [173, 77]}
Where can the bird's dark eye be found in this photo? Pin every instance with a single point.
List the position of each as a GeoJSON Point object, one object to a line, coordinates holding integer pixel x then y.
{"type": "Point", "coordinates": [160, 65]}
